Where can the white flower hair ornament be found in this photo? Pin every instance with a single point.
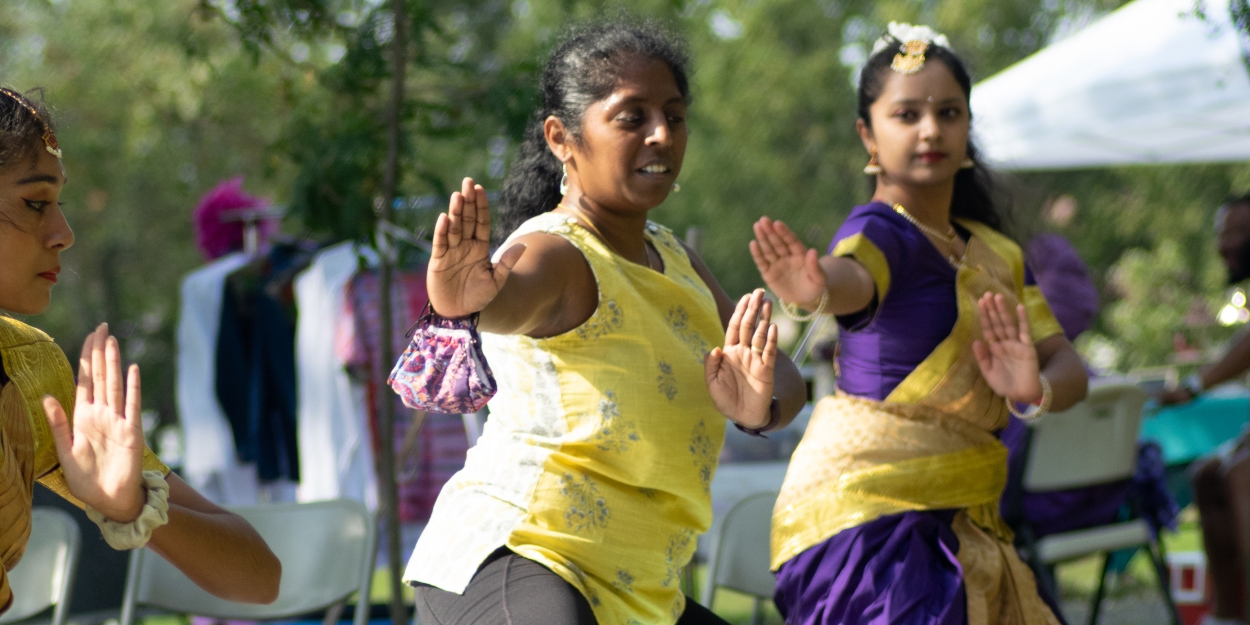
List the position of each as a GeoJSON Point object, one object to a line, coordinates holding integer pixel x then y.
{"type": "Point", "coordinates": [915, 41]}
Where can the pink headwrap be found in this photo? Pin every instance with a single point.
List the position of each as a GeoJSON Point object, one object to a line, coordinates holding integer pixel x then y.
{"type": "Point", "coordinates": [215, 237]}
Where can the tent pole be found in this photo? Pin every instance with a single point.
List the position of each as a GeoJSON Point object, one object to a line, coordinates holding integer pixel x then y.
{"type": "Point", "coordinates": [386, 399]}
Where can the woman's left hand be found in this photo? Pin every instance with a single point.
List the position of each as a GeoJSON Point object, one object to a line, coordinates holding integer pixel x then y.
{"type": "Point", "coordinates": [101, 454]}
{"type": "Point", "coordinates": [740, 375]}
{"type": "Point", "coordinates": [1007, 356]}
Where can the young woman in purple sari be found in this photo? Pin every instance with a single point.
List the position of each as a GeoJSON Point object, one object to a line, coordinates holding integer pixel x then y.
{"type": "Point", "coordinates": [889, 511]}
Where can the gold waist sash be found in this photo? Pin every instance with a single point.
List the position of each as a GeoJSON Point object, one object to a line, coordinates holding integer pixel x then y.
{"type": "Point", "coordinates": [861, 460]}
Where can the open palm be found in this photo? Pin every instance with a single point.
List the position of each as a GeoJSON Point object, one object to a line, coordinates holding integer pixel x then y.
{"type": "Point", "coordinates": [101, 452]}
{"type": "Point", "coordinates": [788, 267]}
{"type": "Point", "coordinates": [740, 375]}
{"type": "Point", "coordinates": [1006, 355]}
{"type": "Point", "coordinates": [461, 278]}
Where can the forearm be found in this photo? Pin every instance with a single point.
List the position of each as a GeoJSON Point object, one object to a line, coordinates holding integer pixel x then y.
{"type": "Point", "coordinates": [789, 389]}
{"type": "Point", "coordinates": [1232, 365]}
{"type": "Point", "coordinates": [221, 553]}
{"type": "Point", "coordinates": [1063, 369]}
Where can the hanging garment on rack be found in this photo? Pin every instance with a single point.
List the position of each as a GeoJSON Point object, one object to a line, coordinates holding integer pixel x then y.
{"type": "Point", "coordinates": [210, 464]}
{"type": "Point", "coordinates": [336, 458]}
{"type": "Point", "coordinates": [427, 457]}
{"type": "Point", "coordinates": [256, 359]}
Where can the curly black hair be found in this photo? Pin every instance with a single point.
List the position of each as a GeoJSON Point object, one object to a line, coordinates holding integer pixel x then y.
{"type": "Point", "coordinates": [23, 121]}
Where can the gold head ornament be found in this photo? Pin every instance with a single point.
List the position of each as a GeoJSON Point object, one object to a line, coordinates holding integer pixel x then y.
{"type": "Point", "coordinates": [49, 138]}
{"type": "Point", "coordinates": [911, 58]}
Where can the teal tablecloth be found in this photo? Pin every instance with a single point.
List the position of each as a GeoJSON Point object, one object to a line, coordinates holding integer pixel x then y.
{"type": "Point", "coordinates": [1192, 430]}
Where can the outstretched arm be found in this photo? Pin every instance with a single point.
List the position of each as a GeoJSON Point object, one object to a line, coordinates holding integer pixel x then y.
{"type": "Point", "coordinates": [532, 287]}
{"type": "Point", "coordinates": [798, 275]}
{"type": "Point", "coordinates": [1233, 364]}
{"type": "Point", "coordinates": [1011, 362]}
{"type": "Point", "coordinates": [788, 385]}
{"type": "Point", "coordinates": [101, 457]}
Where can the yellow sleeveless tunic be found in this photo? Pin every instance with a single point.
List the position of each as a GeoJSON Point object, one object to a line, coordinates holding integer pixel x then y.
{"type": "Point", "coordinates": [598, 456]}
{"type": "Point", "coordinates": [35, 367]}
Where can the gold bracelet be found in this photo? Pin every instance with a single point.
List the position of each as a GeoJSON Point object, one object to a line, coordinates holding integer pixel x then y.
{"type": "Point", "coordinates": [1038, 410]}
{"type": "Point", "coordinates": [792, 310]}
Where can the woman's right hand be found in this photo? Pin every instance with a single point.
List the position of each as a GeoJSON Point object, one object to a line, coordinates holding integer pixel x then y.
{"type": "Point", "coordinates": [461, 278]}
{"type": "Point", "coordinates": [789, 268]}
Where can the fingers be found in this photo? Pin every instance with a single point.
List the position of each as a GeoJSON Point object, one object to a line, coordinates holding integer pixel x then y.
{"type": "Point", "coordinates": [757, 255]}
{"type": "Point", "coordinates": [469, 216]}
{"type": "Point", "coordinates": [440, 242]}
{"type": "Point", "coordinates": [770, 347]}
{"type": "Point", "coordinates": [455, 219]}
{"type": "Point", "coordinates": [750, 317]}
{"type": "Point", "coordinates": [115, 389]}
{"type": "Point", "coordinates": [86, 389]}
{"type": "Point", "coordinates": [735, 322]}
{"type": "Point", "coordinates": [59, 424]}
{"type": "Point", "coordinates": [482, 232]}
{"type": "Point", "coordinates": [759, 339]}
{"type": "Point", "coordinates": [787, 237]}
{"type": "Point", "coordinates": [1022, 317]}
{"type": "Point", "coordinates": [99, 369]}
{"type": "Point", "coordinates": [712, 361]}
{"type": "Point", "coordinates": [994, 319]}
{"type": "Point", "coordinates": [134, 398]}
{"type": "Point", "coordinates": [982, 353]}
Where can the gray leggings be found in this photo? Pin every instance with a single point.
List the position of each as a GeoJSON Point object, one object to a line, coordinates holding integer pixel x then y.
{"type": "Point", "coordinates": [511, 590]}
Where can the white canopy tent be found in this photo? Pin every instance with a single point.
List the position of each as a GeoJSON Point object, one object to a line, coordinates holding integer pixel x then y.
{"type": "Point", "coordinates": [1148, 83]}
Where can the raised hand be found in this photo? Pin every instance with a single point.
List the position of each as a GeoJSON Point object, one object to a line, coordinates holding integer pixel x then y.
{"type": "Point", "coordinates": [461, 278]}
{"type": "Point", "coordinates": [740, 375]}
{"type": "Point", "coordinates": [788, 267]}
{"type": "Point", "coordinates": [1007, 357]}
{"type": "Point", "coordinates": [101, 454]}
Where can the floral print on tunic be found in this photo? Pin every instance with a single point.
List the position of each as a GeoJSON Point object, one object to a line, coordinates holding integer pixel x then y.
{"type": "Point", "coordinates": [614, 434]}
{"type": "Point", "coordinates": [679, 321]}
{"type": "Point", "coordinates": [587, 509]}
{"type": "Point", "coordinates": [677, 554]}
{"type": "Point", "coordinates": [609, 319]}
{"type": "Point", "coordinates": [703, 450]}
{"type": "Point", "coordinates": [667, 381]}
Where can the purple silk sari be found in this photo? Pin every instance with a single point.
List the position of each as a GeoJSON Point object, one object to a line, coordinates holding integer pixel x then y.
{"type": "Point", "coordinates": [899, 569]}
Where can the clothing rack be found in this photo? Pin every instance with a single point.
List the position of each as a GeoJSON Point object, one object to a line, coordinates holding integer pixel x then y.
{"type": "Point", "coordinates": [251, 217]}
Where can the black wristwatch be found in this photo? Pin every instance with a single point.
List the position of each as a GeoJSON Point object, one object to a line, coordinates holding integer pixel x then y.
{"type": "Point", "coordinates": [774, 417]}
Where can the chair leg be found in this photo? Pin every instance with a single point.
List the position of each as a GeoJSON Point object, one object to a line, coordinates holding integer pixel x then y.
{"type": "Point", "coordinates": [334, 613]}
{"type": "Point", "coordinates": [1096, 606]}
{"type": "Point", "coordinates": [757, 612]}
{"type": "Point", "coordinates": [1161, 570]}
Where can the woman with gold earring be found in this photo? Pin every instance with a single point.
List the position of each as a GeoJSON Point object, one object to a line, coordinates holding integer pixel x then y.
{"type": "Point", "coordinates": [84, 439]}
{"type": "Point", "coordinates": [889, 511]}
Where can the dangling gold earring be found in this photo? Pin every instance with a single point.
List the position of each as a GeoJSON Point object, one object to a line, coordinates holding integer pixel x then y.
{"type": "Point", "coordinates": [968, 163]}
{"type": "Point", "coordinates": [873, 167]}
{"type": "Point", "coordinates": [564, 180]}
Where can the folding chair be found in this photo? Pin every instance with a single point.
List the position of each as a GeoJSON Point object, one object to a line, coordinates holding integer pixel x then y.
{"type": "Point", "coordinates": [45, 576]}
{"type": "Point", "coordinates": [1094, 442]}
{"type": "Point", "coordinates": [739, 554]}
{"type": "Point", "coordinates": [327, 550]}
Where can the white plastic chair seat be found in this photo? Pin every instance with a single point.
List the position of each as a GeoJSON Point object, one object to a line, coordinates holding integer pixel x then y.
{"type": "Point", "coordinates": [44, 577]}
{"type": "Point", "coordinates": [327, 553]}
{"type": "Point", "coordinates": [1069, 545]}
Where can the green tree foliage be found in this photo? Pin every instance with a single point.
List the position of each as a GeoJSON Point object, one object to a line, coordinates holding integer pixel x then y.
{"type": "Point", "coordinates": [157, 102]}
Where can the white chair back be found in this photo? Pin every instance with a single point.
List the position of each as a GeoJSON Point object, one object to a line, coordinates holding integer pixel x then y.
{"type": "Point", "coordinates": [739, 555]}
{"type": "Point", "coordinates": [45, 575]}
{"type": "Point", "coordinates": [327, 550]}
{"type": "Point", "coordinates": [1093, 442]}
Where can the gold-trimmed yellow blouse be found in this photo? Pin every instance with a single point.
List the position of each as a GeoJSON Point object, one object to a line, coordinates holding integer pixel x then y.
{"type": "Point", "coordinates": [35, 367]}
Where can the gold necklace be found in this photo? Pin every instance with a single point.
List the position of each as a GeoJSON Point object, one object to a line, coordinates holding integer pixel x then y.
{"type": "Point", "coordinates": [590, 225]}
{"type": "Point", "coordinates": [948, 238]}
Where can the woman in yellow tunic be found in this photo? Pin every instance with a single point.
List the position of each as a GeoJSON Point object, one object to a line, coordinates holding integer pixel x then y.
{"type": "Point", "coordinates": [618, 358]}
{"type": "Point", "coordinates": [889, 510]}
{"type": "Point", "coordinates": [97, 459]}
